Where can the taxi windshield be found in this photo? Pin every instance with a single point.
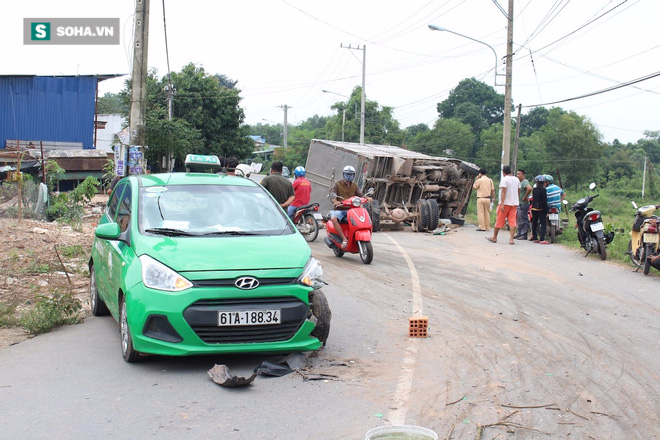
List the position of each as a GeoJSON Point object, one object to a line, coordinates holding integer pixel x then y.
{"type": "Point", "coordinates": [209, 210]}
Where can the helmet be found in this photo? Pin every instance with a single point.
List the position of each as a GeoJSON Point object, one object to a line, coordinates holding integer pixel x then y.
{"type": "Point", "coordinates": [349, 173]}
{"type": "Point", "coordinates": [548, 178]}
{"type": "Point", "coordinates": [243, 170]}
{"type": "Point", "coordinates": [540, 178]}
{"type": "Point", "coordinates": [299, 171]}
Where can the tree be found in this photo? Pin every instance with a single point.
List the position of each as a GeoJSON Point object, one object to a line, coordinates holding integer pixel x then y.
{"type": "Point", "coordinates": [380, 127]}
{"type": "Point", "coordinates": [175, 137]}
{"type": "Point", "coordinates": [470, 90]}
{"type": "Point", "coordinates": [213, 109]}
{"type": "Point", "coordinates": [574, 146]}
{"type": "Point", "coordinates": [111, 103]}
{"type": "Point", "coordinates": [205, 107]}
{"type": "Point", "coordinates": [447, 134]}
{"type": "Point", "coordinates": [534, 120]}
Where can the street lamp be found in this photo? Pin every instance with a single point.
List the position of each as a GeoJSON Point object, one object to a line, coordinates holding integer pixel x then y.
{"type": "Point", "coordinates": [434, 27]}
{"type": "Point", "coordinates": [506, 138]}
{"type": "Point", "coordinates": [343, 120]}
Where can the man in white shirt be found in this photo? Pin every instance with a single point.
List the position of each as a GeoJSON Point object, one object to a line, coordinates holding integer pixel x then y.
{"type": "Point", "coordinates": [508, 206]}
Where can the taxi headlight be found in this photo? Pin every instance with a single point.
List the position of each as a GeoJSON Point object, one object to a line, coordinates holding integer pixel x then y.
{"type": "Point", "coordinates": [156, 275]}
{"type": "Point", "coordinates": [311, 275]}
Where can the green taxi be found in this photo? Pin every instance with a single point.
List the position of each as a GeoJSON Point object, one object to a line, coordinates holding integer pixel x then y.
{"type": "Point", "coordinates": [202, 263]}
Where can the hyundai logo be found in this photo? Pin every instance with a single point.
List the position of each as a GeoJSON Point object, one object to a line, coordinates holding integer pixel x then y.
{"type": "Point", "coordinates": [247, 283]}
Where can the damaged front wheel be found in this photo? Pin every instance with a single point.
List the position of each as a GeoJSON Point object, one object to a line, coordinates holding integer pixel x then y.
{"type": "Point", "coordinates": [321, 311]}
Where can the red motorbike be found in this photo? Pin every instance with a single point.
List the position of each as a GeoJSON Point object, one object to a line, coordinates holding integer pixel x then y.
{"type": "Point", "coordinates": [357, 229]}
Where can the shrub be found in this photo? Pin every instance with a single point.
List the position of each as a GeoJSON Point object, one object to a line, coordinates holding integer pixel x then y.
{"type": "Point", "coordinates": [7, 315]}
{"type": "Point", "coordinates": [50, 312]}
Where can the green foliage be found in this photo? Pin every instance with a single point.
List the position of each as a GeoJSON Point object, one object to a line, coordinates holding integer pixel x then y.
{"type": "Point", "coordinates": [574, 146]}
{"type": "Point", "coordinates": [206, 118]}
{"type": "Point", "coordinates": [54, 173]}
{"type": "Point", "coordinates": [74, 250]}
{"type": "Point", "coordinates": [8, 315]}
{"type": "Point", "coordinates": [70, 206]}
{"type": "Point", "coordinates": [477, 93]}
{"type": "Point", "coordinates": [112, 103]}
{"type": "Point", "coordinates": [33, 267]}
{"type": "Point", "coordinates": [448, 134]}
{"type": "Point", "coordinates": [50, 312]}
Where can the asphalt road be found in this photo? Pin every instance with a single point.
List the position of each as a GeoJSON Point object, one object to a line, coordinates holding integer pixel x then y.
{"type": "Point", "coordinates": [526, 341]}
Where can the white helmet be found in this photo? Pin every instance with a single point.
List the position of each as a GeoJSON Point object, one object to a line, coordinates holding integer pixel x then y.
{"type": "Point", "coordinates": [348, 173]}
{"type": "Point", "coordinates": [243, 170]}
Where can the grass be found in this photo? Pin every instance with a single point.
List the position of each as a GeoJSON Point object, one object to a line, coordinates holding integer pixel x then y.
{"type": "Point", "coordinates": [617, 213]}
{"type": "Point", "coordinates": [7, 315]}
{"type": "Point", "coordinates": [50, 312]}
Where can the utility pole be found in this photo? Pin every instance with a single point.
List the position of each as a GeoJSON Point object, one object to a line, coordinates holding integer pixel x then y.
{"type": "Point", "coordinates": [506, 139]}
{"type": "Point", "coordinates": [644, 176]}
{"type": "Point", "coordinates": [137, 128]}
{"type": "Point", "coordinates": [285, 133]}
{"type": "Point", "coordinates": [514, 161]}
{"type": "Point", "coordinates": [363, 98]}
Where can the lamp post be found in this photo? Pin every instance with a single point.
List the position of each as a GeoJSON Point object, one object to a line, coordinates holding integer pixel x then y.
{"type": "Point", "coordinates": [343, 119]}
{"type": "Point", "coordinates": [434, 27]}
{"type": "Point", "coordinates": [506, 137]}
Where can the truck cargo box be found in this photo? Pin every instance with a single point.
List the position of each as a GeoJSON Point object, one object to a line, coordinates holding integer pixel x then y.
{"type": "Point", "coordinates": [409, 186]}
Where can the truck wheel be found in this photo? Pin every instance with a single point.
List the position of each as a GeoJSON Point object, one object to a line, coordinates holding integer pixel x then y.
{"type": "Point", "coordinates": [434, 212]}
{"type": "Point", "coordinates": [374, 213]}
{"type": "Point", "coordinates": [457, 220]}
{"type": "Point", "coordinates": [423, 215]}
{"type": "Point", "coordinates": [321, 310]}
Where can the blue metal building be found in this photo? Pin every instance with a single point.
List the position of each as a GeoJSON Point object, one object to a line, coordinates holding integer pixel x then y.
{"type": "Point", "coordinates": [48, 108]}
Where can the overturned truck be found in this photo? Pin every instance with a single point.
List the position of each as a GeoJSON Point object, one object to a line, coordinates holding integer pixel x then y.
{"type": "Point", "coordinates": [409, 186]}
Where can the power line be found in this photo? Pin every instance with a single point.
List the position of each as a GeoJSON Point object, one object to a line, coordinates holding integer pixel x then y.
{"type": "Point", "coordinates": [609, 89]}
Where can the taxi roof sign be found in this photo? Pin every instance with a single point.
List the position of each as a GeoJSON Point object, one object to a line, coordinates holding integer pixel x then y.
{"type": "Point", "coordinates": [200, 162]}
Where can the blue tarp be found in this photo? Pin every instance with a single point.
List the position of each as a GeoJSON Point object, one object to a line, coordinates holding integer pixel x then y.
{"type": "Point", "coordinates": [52, 109]}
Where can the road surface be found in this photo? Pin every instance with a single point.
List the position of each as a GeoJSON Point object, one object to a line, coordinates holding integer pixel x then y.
{"type": "Point", "coordinates": [524, 342]}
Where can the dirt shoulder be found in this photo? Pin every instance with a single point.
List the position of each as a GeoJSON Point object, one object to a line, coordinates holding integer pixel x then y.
{"type": "Point", "coordinates": [40, 258]}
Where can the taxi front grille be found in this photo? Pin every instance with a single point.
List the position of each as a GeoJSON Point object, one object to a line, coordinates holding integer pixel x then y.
{"type": "Point", "coordinates": [202, 316]}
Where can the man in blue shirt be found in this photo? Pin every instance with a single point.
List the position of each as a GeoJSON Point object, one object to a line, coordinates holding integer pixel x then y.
{"type": "Point", "coordinates": [555, 193]}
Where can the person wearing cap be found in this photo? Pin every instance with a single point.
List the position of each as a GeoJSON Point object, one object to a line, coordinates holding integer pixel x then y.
{"type": "Point", "coordinates": [485, 194]}
{"type": "Point", "coordinates": [539, 210]}
{"type": "Point", "coordinates": [507, 209]}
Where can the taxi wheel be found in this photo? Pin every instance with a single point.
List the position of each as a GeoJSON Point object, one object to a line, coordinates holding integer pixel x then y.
{"type": "Point", "coordinates": [96, 303]}
{"type": "Point", "coordinates": [127, 351]}
{"type": "Point", "coordinates": [321, 310]}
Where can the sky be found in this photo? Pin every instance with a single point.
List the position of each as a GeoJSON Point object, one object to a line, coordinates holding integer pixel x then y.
{"type": "Point", "coordinates": [286, 52]}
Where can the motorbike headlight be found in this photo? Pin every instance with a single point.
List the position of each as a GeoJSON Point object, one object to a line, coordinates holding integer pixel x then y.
{"type": "Point", "coordinates": [156, 275]}
{"type": "Point", "coordinates": [311, 275]}
{"type": "Point", "coordinates": [356, 202]}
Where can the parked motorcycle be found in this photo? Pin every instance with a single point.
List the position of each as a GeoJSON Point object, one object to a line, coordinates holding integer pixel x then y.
{"type": "Point", "coordinates": [357, 229]}
{"type": "Point", "coordinates": [644, 237]}
{"type": "Point", "coordinates": [590, 228]}
{"type": "Point", "coordinates": [306, 218]}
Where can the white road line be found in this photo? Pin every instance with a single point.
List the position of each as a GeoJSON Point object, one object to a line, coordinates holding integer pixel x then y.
{"type": "Point", "coordinates": [399, 408]}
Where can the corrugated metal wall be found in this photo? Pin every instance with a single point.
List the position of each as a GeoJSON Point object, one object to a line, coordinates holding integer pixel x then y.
{"type": "Point", "coordinates": [47, 108]}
